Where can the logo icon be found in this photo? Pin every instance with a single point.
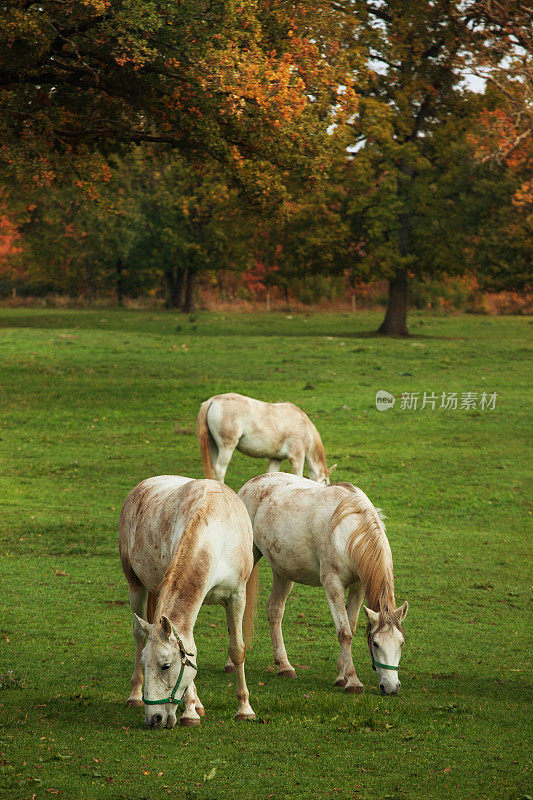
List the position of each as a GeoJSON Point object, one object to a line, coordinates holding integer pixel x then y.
{"type": "Point", "coordinates": [384, 400]}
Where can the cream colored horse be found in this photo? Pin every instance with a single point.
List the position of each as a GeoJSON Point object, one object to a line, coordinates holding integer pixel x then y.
{"type": "Point", "coordinates": [189, 542]}
{"type": "Point", "coordinates": [262, 430]}
{"type": "Point", "coordinates": [329, 535]}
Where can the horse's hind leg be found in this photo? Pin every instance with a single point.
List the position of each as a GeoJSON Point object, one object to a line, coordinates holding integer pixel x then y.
{"type": "Point", "coordinates": [234, 614]}
{"type": "Point", "coordinates": [335, 594]}
{"type": "Point", "coordinates": [353, 606]}
{"type": "Point", "coordinates": [138, 602]}
{"type": "Point", "coordinates": [281, 589]}
{"type": "Point", "coordinates": [221, 461]}
{"type": "Point", "coordinates": [274, 464]}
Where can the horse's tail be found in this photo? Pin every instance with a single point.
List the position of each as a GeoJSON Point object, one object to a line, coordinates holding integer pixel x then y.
{"type": "Point", "coordinates": [252, 600]}
{"type": "Point", "coordinates": [204, 435]}
{"type": "Point", "coordinates": [150, 606]}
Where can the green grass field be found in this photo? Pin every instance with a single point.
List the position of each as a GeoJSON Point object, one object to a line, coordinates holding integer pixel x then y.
{"type": "Point", "coordinates": [94, 401]}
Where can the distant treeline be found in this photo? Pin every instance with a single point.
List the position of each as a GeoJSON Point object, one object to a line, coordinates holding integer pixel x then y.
{"type": "Point", "coordinates": [281, 153]}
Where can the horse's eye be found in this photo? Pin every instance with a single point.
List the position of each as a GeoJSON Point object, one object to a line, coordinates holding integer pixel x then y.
{"type": "Point", "coordinates": [165, 666]}
{"type": "Point", "coordinates": [375, 644]}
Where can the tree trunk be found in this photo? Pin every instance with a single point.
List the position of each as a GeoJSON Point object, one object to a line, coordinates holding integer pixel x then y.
{"type": "Point", "coordinates": [395, 322]}
{"type": "Point", "coordinates": [175, 283]}
{"type": "Point", "coordinates": [119, 267]}
{"type": "Point", "coordinates": [189, 304]}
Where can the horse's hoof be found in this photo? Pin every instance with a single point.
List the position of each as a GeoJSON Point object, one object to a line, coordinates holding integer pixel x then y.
{"type": "Point", "coordinates": [200, 710]}
{"type": "Point", "coordinates": [341, 682]}
{"type": "Point", "coordinates": [229, 668]}
{"type": "Point", "coordinates": [244, 717]}
{"type": "Point", "coordinates": [134, 703]}
{"type": "Point", "coordinates": [189, 722]}
{"type": "Point", "coordinates": [287, 673]}
{"type": "Point", "coordinates": [354, 689]}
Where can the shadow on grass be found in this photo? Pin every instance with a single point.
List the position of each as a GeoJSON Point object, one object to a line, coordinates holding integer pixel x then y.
{"type": "Point", "coordinates": [247, 325]}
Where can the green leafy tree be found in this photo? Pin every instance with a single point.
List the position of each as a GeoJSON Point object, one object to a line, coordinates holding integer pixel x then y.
{"type": "Point", "coordinates": [419, 52]}
{"type": "Point", "coordinates": [192, 221]}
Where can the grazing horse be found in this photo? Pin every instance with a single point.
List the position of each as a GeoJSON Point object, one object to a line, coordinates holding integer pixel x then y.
{"type": "Point", "coordinates": [188, 542]}
{"type": "Point", "coordinates": [262, 430]}
{"type": "Point", "coordinates": [329, 535]}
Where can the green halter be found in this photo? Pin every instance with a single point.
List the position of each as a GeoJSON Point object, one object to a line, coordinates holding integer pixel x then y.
{"type": "Point", "coordinates": [184, 663]}
{"type": "Point", "coordinates": [374, 662]}
{"type": "Point", "coordinates": [379, 664]}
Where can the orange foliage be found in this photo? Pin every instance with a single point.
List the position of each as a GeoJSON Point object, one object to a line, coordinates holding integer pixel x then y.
{"type": "Point", "coordinates": [9, 247]}
{"type": "Point", "coordinates": [498, 139]}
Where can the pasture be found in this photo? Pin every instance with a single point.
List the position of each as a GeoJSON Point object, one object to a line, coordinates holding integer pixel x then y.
{"type": "Point", "coordinates": [94, 401]}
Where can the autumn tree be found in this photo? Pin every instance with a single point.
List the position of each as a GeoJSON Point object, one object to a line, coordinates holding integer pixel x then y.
{"type": "Point", "coordinates": [244, 83]}
{"type": "Point", "coordinates": [418, 54]}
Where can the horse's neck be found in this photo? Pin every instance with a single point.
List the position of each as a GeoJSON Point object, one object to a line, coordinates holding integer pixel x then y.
{"type": "Point", "coordinates": [183, 591]}
{"type": "Point", "coordinates": [368, 549]}
{"type": "Point", "coordinates": [182, 618]}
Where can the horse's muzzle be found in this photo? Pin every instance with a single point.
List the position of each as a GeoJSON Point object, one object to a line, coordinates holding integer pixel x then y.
{"type": "Point", "coordinates": [390, 692]}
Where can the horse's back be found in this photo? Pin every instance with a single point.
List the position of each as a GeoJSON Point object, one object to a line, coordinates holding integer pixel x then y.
{"type": "Point", "coordinates": [157, 512]}
{"type": "Point", "coordinates": [291, 521]}
{"type": "Point", "coordinates": [285, 492]}
{"type": "Point", "coordinates": [255, 427]}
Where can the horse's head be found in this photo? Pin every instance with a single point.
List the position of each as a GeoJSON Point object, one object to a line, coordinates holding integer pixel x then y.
{"type": "Point", "coordinates": [168, 671]}
{"type": "Point", "coordinates": [385, 640]}
{"type": "Point", "coordinates": [322, 475]}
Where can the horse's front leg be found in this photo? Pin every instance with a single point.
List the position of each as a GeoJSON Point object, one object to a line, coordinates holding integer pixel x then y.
{"type": "Point", "coordinates": [281, 589]}
{"type": "Point", "coordinates": [335, 595]}
{"type": "Point", "coordinates": [297, 460]}
{"type": "Point", "coordinates": [199, 706]}
{"type": "Point", "coordinates": [138, 601]}
{"type": "Point", "coordinates": [274, 464]}
{"type": "Point", "coordinates": [234, 614]}
{"type": "Point", "coordinates": [356, 594]}
{"type": "Point", "coordinates": [190, 717]}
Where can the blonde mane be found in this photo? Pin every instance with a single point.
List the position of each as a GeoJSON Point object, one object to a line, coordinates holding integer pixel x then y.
{"type": "Point", "coordinates": [369, 551]}
{"type": "Point", "coordinates": [197, 517]}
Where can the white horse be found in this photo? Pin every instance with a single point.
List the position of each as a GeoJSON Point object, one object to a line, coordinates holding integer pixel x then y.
{"type": "Point", "coordinates": [329, 535]}
{"type": "Point", "coordinates": [262, 430]}
{"type": "Point", "coordinates": [188, 542]}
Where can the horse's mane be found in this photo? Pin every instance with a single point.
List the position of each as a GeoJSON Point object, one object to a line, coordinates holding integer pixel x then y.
{"type": "Point", "coordinates": [197, 517]}
{"type": "Point", "coordinates": [369, 551]}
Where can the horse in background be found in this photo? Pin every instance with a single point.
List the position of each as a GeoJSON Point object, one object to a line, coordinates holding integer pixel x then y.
{"type": "Point", "coordinates": [329, 535]}
{"type": "Point", "coordinates": [186, 542]}
{"type": "Point", "coordinates": [276, 431]}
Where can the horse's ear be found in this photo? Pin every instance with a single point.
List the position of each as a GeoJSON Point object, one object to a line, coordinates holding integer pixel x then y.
{"type": "Point", "coordinates": [142, 624]}
{"type": "Point", "coordinates": [401, 612]}
{"type": "Point", "coordinates": [330, 470]}
{"type": "Point", "coordinates": [166, 626]}
{"type": "Point", "coordinates": [372, 616]}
